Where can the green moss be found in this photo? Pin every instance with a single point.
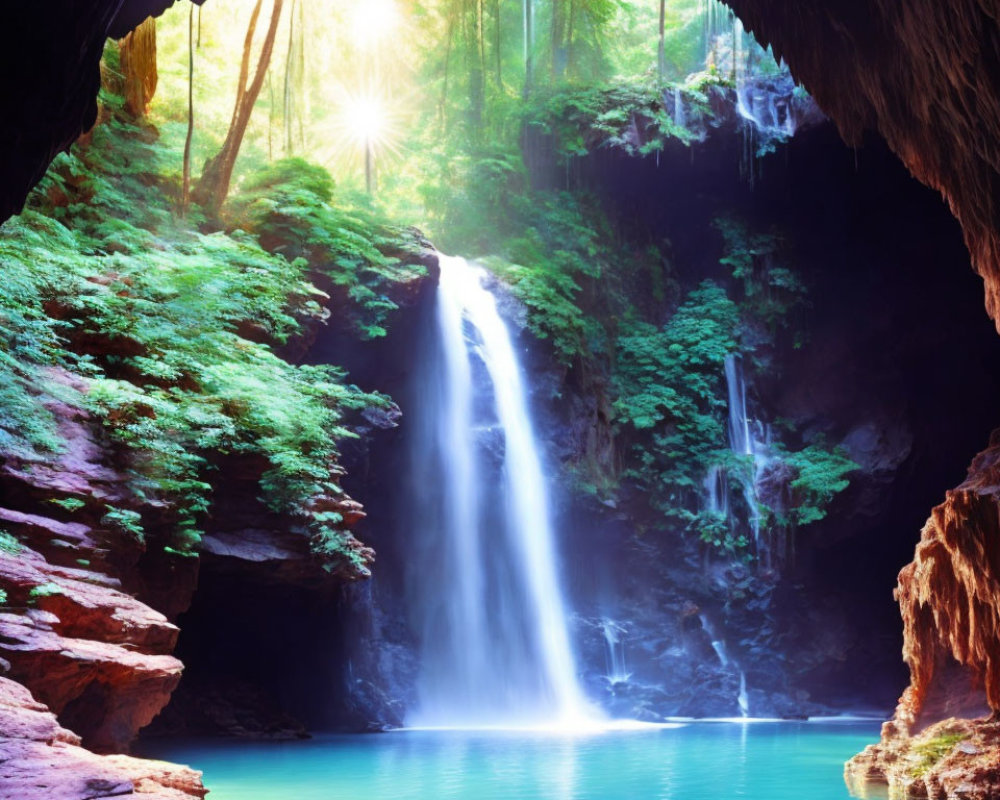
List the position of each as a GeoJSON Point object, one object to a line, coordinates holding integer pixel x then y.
{"type": "Point", "coordinates": [68, 503]}
{"type": "Point", "coordinates": [124, 521]}
{"type": "Point", "coordinates": [44, 590]}
{"type": "Point", "coordinates": [9, 544]}
{"type": "Point", "coordinates": [931, 752]}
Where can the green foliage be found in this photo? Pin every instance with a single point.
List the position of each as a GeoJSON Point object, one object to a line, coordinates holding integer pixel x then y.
{"type": "Point", "coordinates": [932, 751]}
{"type": "Point", "coordinates": [635, 117]}
{"type": "Point", "coordinates": [44, 590]}
{"type": "Point", "coordinates": [124, 521]}
{"type": "Point", "coordinates": [547, 266]}
{"type": "Point", "coordinates": [716, 530]}
{"type": "Point", "coordinates": [771, 288]}
{"type": "Point", "coordinates": [287, 204]}
{"type": "Point", "coordinates": [171, 332]}
{"type": "Point", "coordinates": [671, 397]}
{"type": "Point", "coordinates": [9, 544]}
{"type": "Point", "coordinates": [70, 504]}
{"type": "Point", "coordinates": [820, 474]}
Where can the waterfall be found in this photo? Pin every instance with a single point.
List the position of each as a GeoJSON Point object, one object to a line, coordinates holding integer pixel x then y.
{"type": "Point", "coordinates": [495, 648]}
{"type": "Point", "coordinates": [614, 639]}
{"type": "Point", "coordinates": [680, 119]}
{"type": "Point", "coordinates": [750, 440]}
{"type": "Point", "coordinates": [741, 440]}
{"type": "Point", "coordinates": [719, 646]}
{"type": "Point", "coordinates": [742, 699]}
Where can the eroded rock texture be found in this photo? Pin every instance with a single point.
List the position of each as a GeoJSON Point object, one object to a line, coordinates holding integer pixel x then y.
{"type": "Point", "coordinates": [923, 73]}
{"type": "Point", "coordinates": [950, 600]}
{"type": "Point", "coordinates": [41, 759]}
{"type": "Point", "coordinates": [72, 629]}
{"type": "Point", "coordinates": [955, 759]}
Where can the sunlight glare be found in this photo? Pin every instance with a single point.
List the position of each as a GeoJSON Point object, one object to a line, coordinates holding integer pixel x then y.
{"type": "Point", "coordinates": [372, 20]}
{"type": "Point", "coordinates": [366, 119]}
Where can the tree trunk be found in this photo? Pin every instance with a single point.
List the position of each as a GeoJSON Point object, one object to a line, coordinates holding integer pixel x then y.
{"type": "Point", "coordinates": [661, 52]}
{"type": "Point", "coordinates": [138, 64]}
{"type": "Point", "coordinates": [218, 174]}
{"type": "Point", "coordinates": [556, 39]}
{"type": "Point", "coordinates": [288, 99]}
{"type": "Point", "coordinates": [443, 107]}
{"type": "Point", "coordinates": [474, 66]}
{"type": "Point", "coordinates": [570, 55]}
{"type": "Point", "coordinates": [529, 37]}
{"type": "Point", "coordinates": [496, 45]}
{"type": "Point", "coordinates": [186, 182]}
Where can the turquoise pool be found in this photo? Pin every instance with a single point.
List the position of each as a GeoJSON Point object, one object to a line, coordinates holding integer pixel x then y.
{"type": "Point", "coordinates": [698, 761]}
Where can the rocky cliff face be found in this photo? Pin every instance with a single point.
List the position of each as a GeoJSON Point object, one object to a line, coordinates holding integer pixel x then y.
{"type": "Point", "coordinates": [862, 384]}
{"type": "Point", "coordinates": [948, 597]}
{"type": "Point", "coordinates": [72, 629]}
{"type": "Point", "coordinates": [40, 758]}
{"type": "Point", "coordinates": [924, 75]}
{"type": "Point", "coordinates": [932, 93]}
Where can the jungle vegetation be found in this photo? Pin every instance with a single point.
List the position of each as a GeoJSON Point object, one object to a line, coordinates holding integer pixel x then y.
{"type": "Point", "coordinates": [249, 150]}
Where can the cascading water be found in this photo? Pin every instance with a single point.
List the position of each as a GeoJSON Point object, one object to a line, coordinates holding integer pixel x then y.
{"type": "Point", "coordinates": [750, 440]}
{"type": "Point", "coordinates": [614, 640]}
{"type": "Point", "coordinates": [495, 648]}
{"type": "Point", "coordinates": [743, 699]}
{"type": "Point", "coordinates": [742, 442]}
{"type": "Point", "coordinates": [680, 118]}
{"type": "Point", "coordinates": [719, 646]}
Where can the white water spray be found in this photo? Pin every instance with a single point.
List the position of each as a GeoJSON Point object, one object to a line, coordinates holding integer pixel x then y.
{"type": "Point", "coordinates": [496, 648]}
{"type": "Point", "coordinates": [742, 699]}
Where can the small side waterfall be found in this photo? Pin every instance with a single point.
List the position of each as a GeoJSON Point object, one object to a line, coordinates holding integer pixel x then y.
{"type": "Point", "coordinates": [719, 646]}
{"type": "Point", "coordinates": [495, 648]}
{"type": "Point", "coordinates": [680, 118]}
{"type": "Point", "coordinates": [748, 439]}
{"type": "Point", "coordinates": [741, 441]}
{"type": "Point", "coordinates": [614, 639]}
{"type": "Point", "coordinates": [742, 699]}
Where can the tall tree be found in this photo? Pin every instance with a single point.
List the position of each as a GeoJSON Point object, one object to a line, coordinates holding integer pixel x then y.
{"type": "Point", "coordinates": [661, 50]}
{"type": "Point", "coordinates": [529, 43]}
{"type": "Point", "coordinates": [186, 181]}
{"type": "Point", "coordinates": [213, 186]}
{"type": "Point", "coordinates": [289, 100]}
{"type": "Point", "coordinates": [496, 45]}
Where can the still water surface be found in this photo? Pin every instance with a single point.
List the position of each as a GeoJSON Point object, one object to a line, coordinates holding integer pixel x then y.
{"type": "Point", "coordinates": [699, 761]}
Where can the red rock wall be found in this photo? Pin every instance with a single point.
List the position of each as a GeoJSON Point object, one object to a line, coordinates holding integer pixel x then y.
{"type": "Point", "coordinates": [71, 629]}
{"type": "Point", "coordinates": [950, 601]}
{"type": "Point", "coordinates": [41, 760]}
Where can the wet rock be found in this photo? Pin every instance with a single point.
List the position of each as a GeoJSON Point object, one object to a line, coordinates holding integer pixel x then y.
{"type": "Point", "coordinates": [951, 760]}
{"type": "Point", "coordinates": [41, 760]}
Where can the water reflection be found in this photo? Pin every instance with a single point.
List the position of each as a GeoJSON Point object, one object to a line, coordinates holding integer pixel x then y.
{"type": "Point", "coordinates": [701, 761]}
